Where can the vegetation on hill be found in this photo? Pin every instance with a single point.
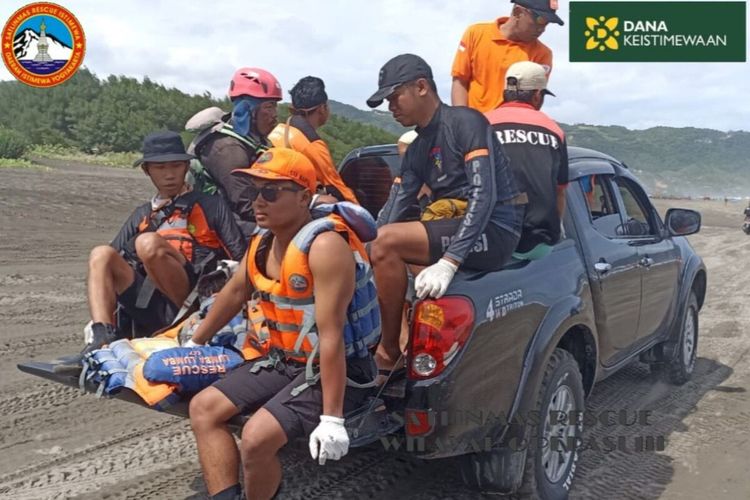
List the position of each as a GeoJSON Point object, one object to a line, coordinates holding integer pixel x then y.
{"type": "Point", "coordinates": [114, 114]}
{"type": "Point", "coordinates": [670, 161]}
{"type": "Point", "coordinates": [675, 161]}
{"type": "Point", "coordinates": [111, 115]}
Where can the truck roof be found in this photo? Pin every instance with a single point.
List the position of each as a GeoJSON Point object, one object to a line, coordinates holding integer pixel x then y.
{"type": "Point", "coordinates": [582, 161]}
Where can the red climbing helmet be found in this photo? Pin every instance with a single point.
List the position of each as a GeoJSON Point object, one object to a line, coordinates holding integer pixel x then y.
{"type": "Point", "coordinates": [255, 82]}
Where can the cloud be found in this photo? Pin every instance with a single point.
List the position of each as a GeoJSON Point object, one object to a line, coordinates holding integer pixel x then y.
{"type": "Point", "coordinates": [196, 47]}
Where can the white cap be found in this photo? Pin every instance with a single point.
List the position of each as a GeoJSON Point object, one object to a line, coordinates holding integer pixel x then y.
{"type": "Point", "coordinates": [408, 137]}
{"type": "Point", "coordinates": [526, 75]}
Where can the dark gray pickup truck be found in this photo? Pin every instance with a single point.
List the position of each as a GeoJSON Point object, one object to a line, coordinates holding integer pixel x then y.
{"type": "Point", "coordinates": [499, 367]}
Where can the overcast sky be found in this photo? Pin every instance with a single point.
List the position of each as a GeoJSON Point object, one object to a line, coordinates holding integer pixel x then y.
{"type": "Point", "coordinates": [196, 46]}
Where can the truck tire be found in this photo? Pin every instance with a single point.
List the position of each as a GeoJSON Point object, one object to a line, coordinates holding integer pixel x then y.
{"type": "Point", "coordinates": [525, 465]}
{"type": "Point", "coordinates": [553, 447]}
{"type": "Point", "coordinates": [679, 369]}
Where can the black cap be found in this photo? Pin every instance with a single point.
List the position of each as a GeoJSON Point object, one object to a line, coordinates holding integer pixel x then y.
{"type": "Point", "coordinates": [399, 70]}
{"type": "Point", "coordinates": [163, 146]}
{"type": "Point", "coordinates": [545, 8]}
{"type": "Point", "coordinates": [308, 93]}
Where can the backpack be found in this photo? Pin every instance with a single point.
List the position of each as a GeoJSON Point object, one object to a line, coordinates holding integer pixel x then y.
{"type": "Point", "coordinates": [205, 124]}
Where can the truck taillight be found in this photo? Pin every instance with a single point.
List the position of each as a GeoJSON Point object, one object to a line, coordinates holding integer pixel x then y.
{"type": "Point", "coordinates": [439, 331]}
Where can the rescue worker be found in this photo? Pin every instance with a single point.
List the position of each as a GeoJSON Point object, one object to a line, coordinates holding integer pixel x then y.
{"type": "Point", "coordinates": [487, 50]}
{"type": "Point", "coordinates": [309, 111]}
{"type": "Point", "coordinates": [327, 335]}
{"type": "Point", "coordinates": [538, 154]}
{"type": "Point", "coordinates": [157, 256]}
{"type": "Point", "coordinates": [254, 93]}
{"type": "Point", "coordinates": [459, 159]}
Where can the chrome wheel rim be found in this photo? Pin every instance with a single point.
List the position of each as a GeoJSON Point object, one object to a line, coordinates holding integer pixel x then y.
{"type": "Point", "coordinates": [559, 438]}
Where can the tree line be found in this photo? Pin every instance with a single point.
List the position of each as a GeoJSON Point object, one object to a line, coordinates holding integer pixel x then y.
{"type": "Point", "coordinates": [113, 114]}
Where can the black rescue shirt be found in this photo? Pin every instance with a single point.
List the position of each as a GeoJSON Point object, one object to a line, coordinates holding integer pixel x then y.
{"type": "Point", "coordinates": [457, 156]}
{"type": "Point", "coordinates": [538, 155]}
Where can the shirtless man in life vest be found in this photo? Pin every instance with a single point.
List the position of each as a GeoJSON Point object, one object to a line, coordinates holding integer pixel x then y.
{"type": "Point", "coordinates": [319, 366]}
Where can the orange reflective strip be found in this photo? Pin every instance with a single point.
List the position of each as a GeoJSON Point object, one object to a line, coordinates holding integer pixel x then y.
{"type": "Point", "coordinates": [526, 116]}
{"type": "Point", "coordinates": [477, 152]}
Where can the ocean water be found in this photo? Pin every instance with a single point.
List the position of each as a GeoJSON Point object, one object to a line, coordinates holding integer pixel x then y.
{"type": "Point", "coordinates": [43, 68]}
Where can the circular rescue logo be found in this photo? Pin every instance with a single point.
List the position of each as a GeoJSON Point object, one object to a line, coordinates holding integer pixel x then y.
{"type": "Point", "coordinates": [43, 44]}
{"type": "Point", "coordinates": [265, 157]}
{"type": "Point", "coordinates": [298, 282]}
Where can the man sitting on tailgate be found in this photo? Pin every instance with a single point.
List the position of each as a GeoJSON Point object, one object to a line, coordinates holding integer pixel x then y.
{"type": "Point", "coordinates": [155, 260]}
{"type": "Point", "coordinates": [475, 221]}
{"type": "Point", "coordinates": [538, 155]}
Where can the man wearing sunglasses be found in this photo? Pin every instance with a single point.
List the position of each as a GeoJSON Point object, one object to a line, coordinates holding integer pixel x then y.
{"type": "Point", "coordinates": [309, 111]}
{"type": "Point", "coordinates": [487, 50]}
{"type": "Point", "coordinates": [319, 366]}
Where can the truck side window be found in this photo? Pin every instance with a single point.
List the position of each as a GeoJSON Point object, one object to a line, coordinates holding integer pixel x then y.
{"type": "Point", "coordinates": [601, 203]}
{"type": "Point", "coordinates": [637, 215]}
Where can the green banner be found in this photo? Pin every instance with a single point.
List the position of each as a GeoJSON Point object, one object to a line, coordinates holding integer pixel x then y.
{"type": "Point", "coordinates": [657, 32]}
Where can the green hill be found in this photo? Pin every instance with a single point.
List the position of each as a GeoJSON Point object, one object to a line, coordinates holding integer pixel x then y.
{"type": "Point", "coordinates": [675, 161]}
{"type": "Point", "coordinates": [380, 119]}
{"type": "Point", "coordinates": [114, 114]}
{"type": "Point", "coordinates": [670, 161]}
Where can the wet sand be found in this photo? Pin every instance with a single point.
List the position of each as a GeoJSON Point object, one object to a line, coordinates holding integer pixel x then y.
{"type": "Point", "coordinates": [57, 443]}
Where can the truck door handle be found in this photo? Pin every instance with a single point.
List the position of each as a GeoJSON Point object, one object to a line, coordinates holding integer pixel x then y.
{"type": "Point", "coordinates": [646, 262]}
{"type": "Point", "coordinates": [603, 267]}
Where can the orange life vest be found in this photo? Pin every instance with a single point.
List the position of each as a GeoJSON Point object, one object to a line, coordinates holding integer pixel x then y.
{"type": "Point", "coordinates": [183, 224]}
{"type": "Point", "coordinates": [289, 303]}
{"type": "Point", "coordinates": [307, 142]}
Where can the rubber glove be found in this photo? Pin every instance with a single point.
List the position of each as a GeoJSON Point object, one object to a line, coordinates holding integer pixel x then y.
{"type": "Point", "coordinates": [190, 343]}
{"type": "Point", "coordinates": [434, 280]}
{"type": "Point", "coordinates": [329, 440]}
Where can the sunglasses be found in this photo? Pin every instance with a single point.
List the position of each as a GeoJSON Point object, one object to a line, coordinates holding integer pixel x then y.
{"type": "Point", "coordinates": [538, 18]}
{"type": "Point", "coordinates": [269, 193]}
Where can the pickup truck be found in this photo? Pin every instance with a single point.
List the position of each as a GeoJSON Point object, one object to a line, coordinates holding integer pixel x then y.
{"type": "Point", "coordinates": [499, 367]}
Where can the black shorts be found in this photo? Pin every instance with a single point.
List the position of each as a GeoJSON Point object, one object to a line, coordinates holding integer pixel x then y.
{"type": "Point", "coordinates": [270, 388]}
{"type": "Point", "coordinates": [491, 252]}
{"type": "Point", "coordinates": [156, 312]}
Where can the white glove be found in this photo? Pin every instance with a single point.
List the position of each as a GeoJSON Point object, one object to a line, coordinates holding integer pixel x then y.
{"type": "Point", "coordinates": [190, 343]}
{"type": "Point", "coordinates": [434, 280]}
{"type": "Point", "coordinates": [330, 438]}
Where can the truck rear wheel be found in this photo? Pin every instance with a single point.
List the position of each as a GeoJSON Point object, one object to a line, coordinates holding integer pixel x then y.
{"type": "Point", "coordinates": [550, 446]}
{"type": "Point", "coordinates": [553, 446]}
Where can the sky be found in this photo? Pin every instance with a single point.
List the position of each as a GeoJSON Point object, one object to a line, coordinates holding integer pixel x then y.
{"type": "Point", "coordinates": [196, 46]}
